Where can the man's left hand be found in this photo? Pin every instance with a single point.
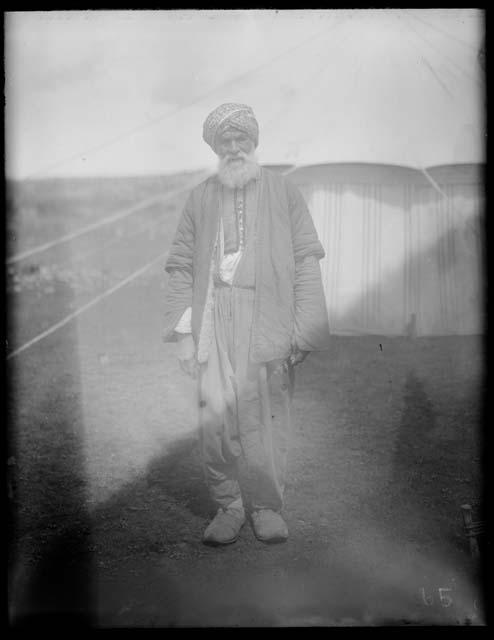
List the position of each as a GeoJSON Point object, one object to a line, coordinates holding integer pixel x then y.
{"type": "Point", "coordinates": [297, 356]}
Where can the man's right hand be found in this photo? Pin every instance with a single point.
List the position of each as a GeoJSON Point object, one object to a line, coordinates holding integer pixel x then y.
{"type": "Point", "coordinates": [186, 353]}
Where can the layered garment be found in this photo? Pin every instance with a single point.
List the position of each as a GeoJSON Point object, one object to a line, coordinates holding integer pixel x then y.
{"type": "Point", "coordinates": [284, 235]}
{"type": "Point", "coordinates": [245, 325]}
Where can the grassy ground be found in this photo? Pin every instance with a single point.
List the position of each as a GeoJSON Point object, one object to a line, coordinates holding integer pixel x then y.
{"type": "Point", "coordinates": [107, 497]}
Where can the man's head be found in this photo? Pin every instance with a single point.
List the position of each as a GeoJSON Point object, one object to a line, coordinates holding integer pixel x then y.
{"type": "Point", "coordinates": [232, 132]}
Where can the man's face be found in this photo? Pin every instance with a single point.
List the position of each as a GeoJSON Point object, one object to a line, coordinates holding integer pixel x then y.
{"type": "Point", "coordinates": [234, 146]}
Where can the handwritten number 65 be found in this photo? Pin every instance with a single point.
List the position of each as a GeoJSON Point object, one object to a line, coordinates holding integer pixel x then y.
{"type": "Point", "coordinates": [444, 598]}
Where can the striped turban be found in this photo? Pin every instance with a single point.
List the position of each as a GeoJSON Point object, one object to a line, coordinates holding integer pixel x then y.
{"type": "Point", "coordinates": [230, 114]}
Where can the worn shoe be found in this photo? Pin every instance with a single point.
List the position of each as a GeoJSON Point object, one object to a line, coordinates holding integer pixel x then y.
{"type": "Point", "coordinates": [269, 526]}
{"type": "Point", "coordinates": [225, 526]}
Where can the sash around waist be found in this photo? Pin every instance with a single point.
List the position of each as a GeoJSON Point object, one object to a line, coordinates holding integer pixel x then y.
{"type": "Point", "coordinates": [219, 284]}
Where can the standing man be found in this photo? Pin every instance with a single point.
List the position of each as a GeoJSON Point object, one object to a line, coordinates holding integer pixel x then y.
{"type": "Point", "coordinates": [245, 304]}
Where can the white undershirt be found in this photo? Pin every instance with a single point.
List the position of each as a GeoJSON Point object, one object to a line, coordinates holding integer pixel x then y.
{"type": "Point", "coordinates": [228, 266]}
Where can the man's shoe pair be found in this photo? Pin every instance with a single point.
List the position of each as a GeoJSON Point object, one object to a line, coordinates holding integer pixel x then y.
{"type": "Point", "coordinates": [225, 527]}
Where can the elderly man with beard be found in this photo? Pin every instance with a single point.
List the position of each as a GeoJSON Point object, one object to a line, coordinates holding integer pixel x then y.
{"type": "Point", "coordinates": [245, 304]}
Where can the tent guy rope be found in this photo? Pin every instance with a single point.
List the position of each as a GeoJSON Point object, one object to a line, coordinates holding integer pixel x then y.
{"type": "Point", "coordinates": [119, 215]}
{"type": "Point", "coordinates": [85, 307]}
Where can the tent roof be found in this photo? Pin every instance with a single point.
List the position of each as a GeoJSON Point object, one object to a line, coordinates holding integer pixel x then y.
{"type": "Point", "coordinates": [394, 87]}
{"type": "Point", "coordinates": [372, 173]}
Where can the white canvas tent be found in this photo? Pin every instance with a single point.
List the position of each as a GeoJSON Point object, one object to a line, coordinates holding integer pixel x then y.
{"type": "Point", "coordinates": [402, 258]}
{"type": "Point", "coordinates": [374, 86]}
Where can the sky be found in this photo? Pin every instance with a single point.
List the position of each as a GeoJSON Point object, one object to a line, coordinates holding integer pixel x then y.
{"type": "Point", "coordinates": [126, 92]}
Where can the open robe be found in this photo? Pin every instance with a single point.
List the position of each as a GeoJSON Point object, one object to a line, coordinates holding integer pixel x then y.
{"type": "Point", "coordinates": [287, 310]}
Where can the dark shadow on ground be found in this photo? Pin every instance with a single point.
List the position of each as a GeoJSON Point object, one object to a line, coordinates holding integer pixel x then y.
{"type": "Point", "coordinates": [60, 588]}
{"type": "Point", "coordinates": [416, 424]}
{"type": "Point", "coordinates": [49, 529]}
{"type": "Point", "coordinates": [179, 475]}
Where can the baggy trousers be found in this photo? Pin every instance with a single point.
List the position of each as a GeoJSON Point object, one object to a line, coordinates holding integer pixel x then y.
{"type": "Point", "coordinates": [244, 410]}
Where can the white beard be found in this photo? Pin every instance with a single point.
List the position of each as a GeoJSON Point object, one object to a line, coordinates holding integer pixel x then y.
{"type": "Point", "coordinates": [238, 174]}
